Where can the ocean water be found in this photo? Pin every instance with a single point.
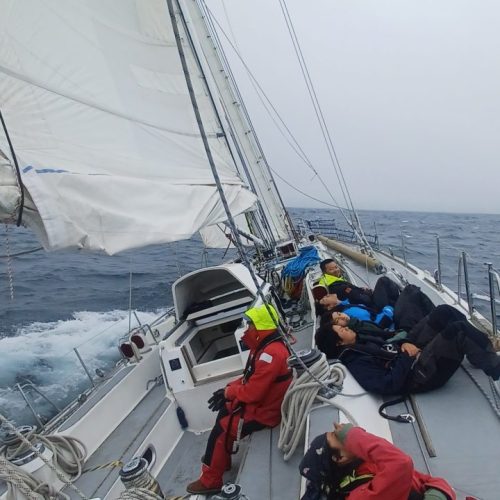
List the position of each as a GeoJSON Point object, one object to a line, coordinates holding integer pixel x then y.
{"type": "Point", "coordinates": [68, 300]}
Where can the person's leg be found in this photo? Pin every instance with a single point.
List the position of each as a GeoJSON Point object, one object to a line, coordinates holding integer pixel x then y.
{"type": "Point", "coordinates": [477, 348]}
{"type": "Point", "coordinates": [218, 451]}
{"type": "Point", "coordinates": [439, 360]}
{"type": "Point", "coordinates": [385, 293]}
{"type": "Point", "coordinates": [411, 306]}
{"type": "Point", "coordinates": [216, 459]}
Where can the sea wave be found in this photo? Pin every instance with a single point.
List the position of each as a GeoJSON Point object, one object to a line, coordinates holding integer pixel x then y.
{"type": "Point", "coordinates": [43, 354]}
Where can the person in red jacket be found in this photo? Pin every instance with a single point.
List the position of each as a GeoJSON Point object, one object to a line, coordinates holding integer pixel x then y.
{"type": "Point", "coordinates": [350, 463]}
{"type": "Point", "coordinates": [249, 403]}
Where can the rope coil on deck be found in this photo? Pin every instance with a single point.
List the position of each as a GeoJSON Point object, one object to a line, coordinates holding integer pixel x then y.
{"type": "Point", "coordinates": [15, 476]}
{"type": "Point", "coordinates": [68, 453]}
{"type": "Point", "coordinates": [300, 397]}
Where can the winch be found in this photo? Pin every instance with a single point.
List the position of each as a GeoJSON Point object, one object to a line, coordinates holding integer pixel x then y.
{"type": "Point", "coordinates": [230, 491]}
{"type": "Point", "coordinates": [135, 474]}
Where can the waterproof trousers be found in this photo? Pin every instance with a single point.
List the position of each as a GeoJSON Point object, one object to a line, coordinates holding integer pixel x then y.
{"type": "Point", "coordinates": [385, 293]}
{"type": "Point", "coordinates": [411, 307]}
{"type": "Point", "coordinates": [442, 356]}
{"type": "Point", "coordinates": [217, 456]}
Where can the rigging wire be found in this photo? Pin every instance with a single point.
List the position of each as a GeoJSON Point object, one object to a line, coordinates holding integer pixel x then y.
{"type": "Point", "coordinates": [130, 295]}
{"type": "Point", "coordinates": [10, 272]}
{"type": "Point", "coordinates": [323, 125]}
{"type": "Point", "coordinates": [314, 98]}
{"type": "Point", "coordinates": [289, 137]}
{"type": "Point", "coordinates": [304, 193]}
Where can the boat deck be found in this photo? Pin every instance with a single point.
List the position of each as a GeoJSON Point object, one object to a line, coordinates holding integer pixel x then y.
{"type": "Point", "coordinates": [121, 444]}
{"type": "Point", "coordinates": [458, 436]}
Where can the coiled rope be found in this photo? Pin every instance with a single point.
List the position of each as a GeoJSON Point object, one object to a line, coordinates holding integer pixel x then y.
{"type": "Point", "coordinates": [68, 453]}
{"type": "Point", "coordinates": [18, 480]}
{"type": "Point", "coordinates": [62, 447]}
{"type": "Point", "coordinates": [302, 393]}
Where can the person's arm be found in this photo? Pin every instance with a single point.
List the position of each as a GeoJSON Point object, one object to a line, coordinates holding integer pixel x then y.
{"type": "Point", "coordinates": [411, 349]}
{"type": "Point", "coordinates": [393, 479]}
{"type": "Point", "coordinates": [268, 366]}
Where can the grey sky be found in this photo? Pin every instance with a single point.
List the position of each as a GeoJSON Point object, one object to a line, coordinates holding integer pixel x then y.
{"type": "Point", "coordinates": [410, 90]}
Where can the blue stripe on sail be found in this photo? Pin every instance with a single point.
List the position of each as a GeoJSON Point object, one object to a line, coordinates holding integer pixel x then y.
{"type": "Point", "coordinates": [45, 170]}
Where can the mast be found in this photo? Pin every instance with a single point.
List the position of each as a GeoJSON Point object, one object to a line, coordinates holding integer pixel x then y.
{"type": "Point", "coordinates": [250, 152]}
{"type": "Point", "coordinates": [199, 121]}
{"type": "Point", "coordinates": [260, 226]}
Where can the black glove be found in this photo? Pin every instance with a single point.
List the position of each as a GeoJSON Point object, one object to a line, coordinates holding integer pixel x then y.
{"type": "Point", "coordinates": [217, 401]}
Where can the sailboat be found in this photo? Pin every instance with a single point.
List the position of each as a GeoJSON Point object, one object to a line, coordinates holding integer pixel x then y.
{"type": "Point", "coordinates": [122, 128]}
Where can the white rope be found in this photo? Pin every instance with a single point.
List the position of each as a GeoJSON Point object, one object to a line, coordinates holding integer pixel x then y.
{"type": "Point", "coordinates": [298, 401]}
{"type": "Point", "coordinates": [68, 454]}
{"type": "Point", "coordinates": [18, 480]}
{"type": "Point", "coordinates": [139, 494]}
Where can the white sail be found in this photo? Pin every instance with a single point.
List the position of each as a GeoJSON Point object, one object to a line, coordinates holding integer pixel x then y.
{"type": "Point", "coordinates": [219, 235]}
{"type": "Point", "coordinates": [96, 104]}
{"type": "Point", "coordinates": [258, 173]}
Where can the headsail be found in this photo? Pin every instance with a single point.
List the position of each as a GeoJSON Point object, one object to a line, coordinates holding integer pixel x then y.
{"type": "Point", "coordinates": [97, 108]}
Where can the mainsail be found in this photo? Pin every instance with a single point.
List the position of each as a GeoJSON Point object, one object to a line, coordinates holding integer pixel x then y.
{"type": "Point", "coordinates": [96, 105]}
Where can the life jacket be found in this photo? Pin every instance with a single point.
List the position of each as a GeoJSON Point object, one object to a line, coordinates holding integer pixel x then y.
{"type": "Point", "coordinates": [343, 307]}
{"type": "Point", "coordinates": [250, 366]}
{"type": "Point", "coordinates": [328, 279]}
{"type": "Point", "coordinates": [353, 481]}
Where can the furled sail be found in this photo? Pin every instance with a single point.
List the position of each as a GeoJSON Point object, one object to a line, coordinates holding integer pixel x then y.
{"type": "Point", "coordinates": [96, 105]}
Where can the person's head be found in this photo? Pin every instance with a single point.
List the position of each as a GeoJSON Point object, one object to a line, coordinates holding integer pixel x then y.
{"type": "Point", "coordinates": [261, 321]}
{"type": "Point", "coordinates": [327, 463]}
{"type": "Point", "coordinates": [331, 338]}
{"type": "Point", "coordinates": [345, 336]}
{"type": "Point", "coordinates": [337, 451]}
{"type": "Point", "coordinates": [329, 266]}
{"type": "Point", "coordinates": [329, 301]}
{"type": "Point", "coordinates": [340, 318]}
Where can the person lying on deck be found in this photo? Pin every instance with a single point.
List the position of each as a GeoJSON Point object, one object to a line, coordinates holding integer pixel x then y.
{"type": "Point", "coordinates": [350, 463]}
{"type": "Point", "coordinates": [386, 292]}
{"type": "Point", "coordinates": [331, 302]}
{"type": "Point", "coordinates": [327, 343]}
{"type": "Point", "coordinates": [410, 307]}
{"type": "Point", "coordinates": [249, 403]}
{"type": "Point", "coordinates": [425, 360]}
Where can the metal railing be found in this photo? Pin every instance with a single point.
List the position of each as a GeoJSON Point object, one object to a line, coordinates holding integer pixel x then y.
{"type": "Point", "coordinates": [28, 386]}
{"type": "Point", "coordinates": [463, 278]}
{"type": "Point", "coordinates": [328, 228]}
{"type": "Point", "coordinates": [493, 277]}
{"type": "Point", "coordinates": [28, 389]}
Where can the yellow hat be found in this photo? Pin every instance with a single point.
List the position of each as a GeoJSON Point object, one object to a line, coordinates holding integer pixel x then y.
{"type": "Point", "coordinates": [261, 318]}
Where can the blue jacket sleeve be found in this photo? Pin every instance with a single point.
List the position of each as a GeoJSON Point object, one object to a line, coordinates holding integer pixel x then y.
{"type": "Point", "coordinates": [375, 375]}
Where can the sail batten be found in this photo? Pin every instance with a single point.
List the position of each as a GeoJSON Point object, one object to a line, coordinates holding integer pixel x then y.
{"type": "Point", "coordinates": [97, 106]}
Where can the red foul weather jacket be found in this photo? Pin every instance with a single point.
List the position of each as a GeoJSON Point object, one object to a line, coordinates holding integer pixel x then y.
{"type": "Point", "coordinates": [263, 392]}
{"type": "Point", "coordinates": [392, 468]}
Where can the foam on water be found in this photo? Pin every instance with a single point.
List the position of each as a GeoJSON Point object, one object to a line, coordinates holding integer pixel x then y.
{"type": "Point", "coordinates": [43, 353]}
